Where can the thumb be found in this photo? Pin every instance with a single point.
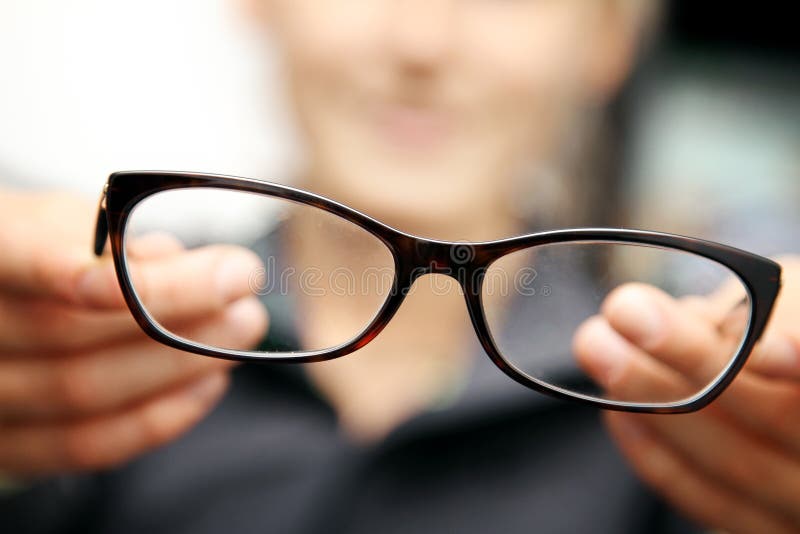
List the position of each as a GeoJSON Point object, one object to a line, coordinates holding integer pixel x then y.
{"type": "Point", "coordinates": [44, 243]}
{"type": "Point", "coordinates": [33, 266]}
{"type": "Point", "coordinates": [777, 355]}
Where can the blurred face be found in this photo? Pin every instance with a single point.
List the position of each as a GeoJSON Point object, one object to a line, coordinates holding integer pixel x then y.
{"type": "Point", "coordinates": [420, 112]}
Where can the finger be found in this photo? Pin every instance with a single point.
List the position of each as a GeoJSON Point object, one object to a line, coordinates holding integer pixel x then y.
{"type": "Point", "coordinates": [623, 370]}
{"type": "Point", "coordinates": [32, 323]}
{"type": "Point", "coordinates": [33, 266]}
{"type": "Point", "coordinates": [46, 243]}
{"type": "Point", "coordinates": [43, 324]}
{"type": "Point", "coordinates": [110, 377]}
{"type": "Point", "coordinates": [655, 322]}
{"type": "Point", "coordinates": [761, 405]}
{"type": "Point", "coordinates": [787, 306]}
{"type": "Point", "coordinates": [180, 286]}
{"type": "Point", "coordinates": [106, 441]}
{"type": "Point", "coordinates": [153, 245]}
{"type": "Point", "coordinates": [702, 307]}
{"type": "Point", "coordinates": [37, 325]}
{"type": "Point", "coordinates": [730, 295]}
{"type": "Point", "coordinates": [699, 351]}
{"type": "Point", "coordinates": [699, 497]}
{"type": "Point", "coordinates": [767, 407]}
{"type": "Point", "coordinates": [776, 356]}
{"type": "Point", "coordinates": [744, 464]}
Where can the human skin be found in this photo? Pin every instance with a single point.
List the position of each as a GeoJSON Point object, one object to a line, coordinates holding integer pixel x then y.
{"type": "Point", "coordinates": [81, 386]}
{"type": "Point", "coordinates": [736, 464]}
{"type": "Point", "coordinates": [419, 113]}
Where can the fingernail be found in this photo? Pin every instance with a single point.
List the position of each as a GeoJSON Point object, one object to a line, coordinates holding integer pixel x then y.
{"type": "Point", "coordinates": [234, 276]}
{"type": "Point", "coordinates": [638, 317]}
{"type": "Point", "coordinates": [207, 388]}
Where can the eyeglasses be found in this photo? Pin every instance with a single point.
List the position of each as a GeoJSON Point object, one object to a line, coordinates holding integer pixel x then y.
{"type": "Point", "coordinates": [332, 278]}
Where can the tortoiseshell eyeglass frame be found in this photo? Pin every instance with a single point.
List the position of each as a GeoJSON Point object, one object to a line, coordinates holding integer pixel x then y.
{"type": "Point", "coordinates": [415, 257]}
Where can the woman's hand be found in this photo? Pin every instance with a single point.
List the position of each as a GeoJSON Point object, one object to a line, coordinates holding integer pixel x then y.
{"type": "Point", "coordinates": [81, 386]}
{"type": "Point", "coordinates": [736, 464]}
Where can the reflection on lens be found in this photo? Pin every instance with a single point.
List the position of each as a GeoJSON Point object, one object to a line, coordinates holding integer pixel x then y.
{"type": "Point", "coordinates": [319, 278]}
{"type": "Point", "coordinates": [541, 305]}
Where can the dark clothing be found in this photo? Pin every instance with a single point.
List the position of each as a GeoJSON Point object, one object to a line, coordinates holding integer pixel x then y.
{"type": "Point", "coordinates": [269, 458]}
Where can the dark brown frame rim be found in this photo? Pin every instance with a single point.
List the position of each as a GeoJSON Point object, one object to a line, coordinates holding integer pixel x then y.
{"type": "Point", "coordinates": [416, 256]}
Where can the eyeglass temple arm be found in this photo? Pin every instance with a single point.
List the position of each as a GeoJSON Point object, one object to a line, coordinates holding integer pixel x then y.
{"type": "Point", "coordinates": [101, 227]}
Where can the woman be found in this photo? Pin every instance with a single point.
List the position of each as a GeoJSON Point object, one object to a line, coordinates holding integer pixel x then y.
{"type": "Point", "coordinates": [422, 114]}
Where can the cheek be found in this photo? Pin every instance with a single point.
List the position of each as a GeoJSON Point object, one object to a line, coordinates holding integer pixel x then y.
{"type": "Point", "coordinates": [322, 40]}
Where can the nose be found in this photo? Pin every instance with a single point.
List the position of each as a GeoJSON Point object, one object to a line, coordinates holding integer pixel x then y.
{"type": "Point", "coordinates": [419, 32]}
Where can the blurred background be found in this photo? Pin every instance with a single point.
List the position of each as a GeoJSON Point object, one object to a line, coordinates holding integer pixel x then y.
{"type": "Point", "coordinates": [705, 139]}
{"type": "Point", "coordinates": [94, 86]}
{"type": "Point", "coordinates": [711, 128]}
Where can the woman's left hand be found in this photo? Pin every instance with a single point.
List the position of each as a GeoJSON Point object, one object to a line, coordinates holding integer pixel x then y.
{"type": "Point", "coordinates": [734, 465]}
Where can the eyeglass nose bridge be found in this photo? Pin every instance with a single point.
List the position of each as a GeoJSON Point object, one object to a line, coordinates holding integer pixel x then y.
{"type": "Point", "coordinates": [442, 257]}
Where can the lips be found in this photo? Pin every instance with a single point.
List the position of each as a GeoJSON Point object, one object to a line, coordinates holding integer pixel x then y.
{"type": "Point", "coordinates": [413, 128]}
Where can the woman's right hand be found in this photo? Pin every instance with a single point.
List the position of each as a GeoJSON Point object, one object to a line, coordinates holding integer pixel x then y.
{"type": "Point", "coordinates": [81, 386]}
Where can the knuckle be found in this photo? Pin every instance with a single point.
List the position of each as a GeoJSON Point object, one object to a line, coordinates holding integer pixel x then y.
{"type": "Point", "coordinates": [101, 444]}
{"type": "Point", "coordinates": [704, 369]}
{"type": "Point", "coordinates": [154, 244]}
{"type": "Point", "coordinates": [587, 333]}
{"type": "Point", "coordinates": [73, 386]}
{"type": "Point", "coordinates": [40, 267]}
{"type": "Point", "coordinates": [218, 259]}
{"type": "Point", "coordinates": [109, 282]}
{"type": "Point", "coordinates": [744, 471]}
{"type": "Point", "coordinates": [154, 424]}
{"type": "Point", "coordinates": [662, 345]}
{"type": "Point", "coordinates": [783, 419]}
{"type": "Point", "coordinates": [83, 448]}
{"type": "Point", "coordinates": [624, 384]}
{"type": "Point", "coordinates": [659, 478]}
{"type": "Point", "coordinates": [59, 324]}
{"type": "Point", "coordinates": [660, 469]}
{"type": "Point", "coordinates": [186, 364]}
